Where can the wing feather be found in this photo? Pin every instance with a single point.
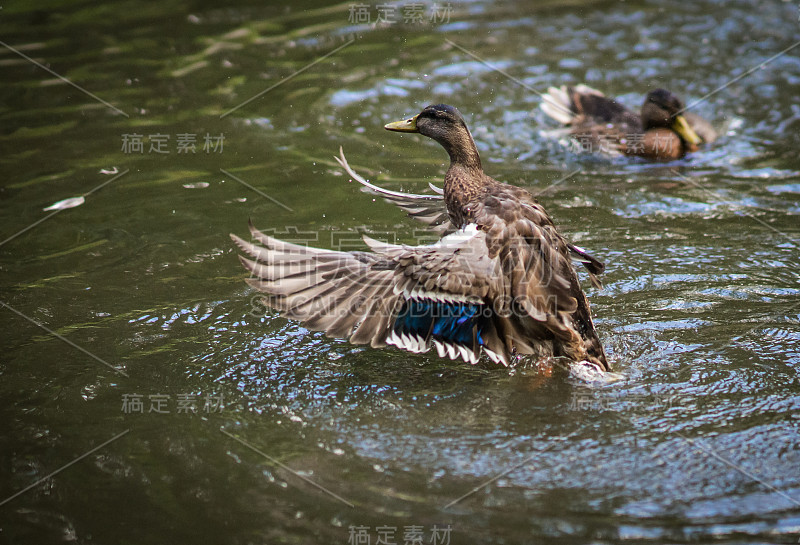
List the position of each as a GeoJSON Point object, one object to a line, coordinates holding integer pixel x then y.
{"type": "Point", "coordinates": [429, 209]}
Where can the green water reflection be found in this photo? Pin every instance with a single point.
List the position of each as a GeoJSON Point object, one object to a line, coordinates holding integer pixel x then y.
{"type": "Point", "coordinates": [699, 310]}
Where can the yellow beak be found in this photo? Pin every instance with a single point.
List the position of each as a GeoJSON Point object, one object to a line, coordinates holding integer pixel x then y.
{"type": "Point", "coordinates": [681, 126]}
{"type": "Point", "coordinates": [407, 125]}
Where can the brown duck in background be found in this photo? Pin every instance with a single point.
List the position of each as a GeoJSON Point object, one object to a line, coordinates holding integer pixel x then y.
{"type": "Point", "coordinates": [501, 283]}
{"type": "Point", "coordinates": [663, 131]}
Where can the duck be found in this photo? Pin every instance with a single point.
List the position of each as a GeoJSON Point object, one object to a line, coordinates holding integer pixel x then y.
{"type": "Point", "coordinates": [500, 282]}
{"type": "Point", "coordinates": [662, 131]}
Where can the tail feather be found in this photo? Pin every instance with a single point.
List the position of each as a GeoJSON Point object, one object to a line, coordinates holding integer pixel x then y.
{"type": "Point", "coordinates": [567, 105]}
{"type": "Point", "coordinates": [557, 104]}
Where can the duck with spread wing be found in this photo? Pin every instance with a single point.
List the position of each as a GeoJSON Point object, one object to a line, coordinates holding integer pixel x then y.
{"type": "Point", "coordinates": [501, 281]}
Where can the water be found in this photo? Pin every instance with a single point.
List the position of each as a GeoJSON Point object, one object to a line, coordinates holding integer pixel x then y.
{"type": "Point", "coordinates": [697, 443]}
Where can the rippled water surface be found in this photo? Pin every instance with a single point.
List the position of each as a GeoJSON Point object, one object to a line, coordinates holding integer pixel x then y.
{"type": "Point", "coordinates": [137, 294]}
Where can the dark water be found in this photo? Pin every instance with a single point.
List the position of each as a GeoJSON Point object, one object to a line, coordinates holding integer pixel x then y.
{"type": "Point", "coordinates": [697, 443]}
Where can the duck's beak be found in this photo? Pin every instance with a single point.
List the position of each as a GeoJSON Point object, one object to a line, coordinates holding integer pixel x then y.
{"type": "Point", "coordinates": [685, 131]}
{"type": "Point", "coordinates": [406, 125]}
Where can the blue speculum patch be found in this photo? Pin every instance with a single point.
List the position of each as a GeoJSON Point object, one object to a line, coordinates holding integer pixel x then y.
{"type": "Point", "coordinates": [452, 322]}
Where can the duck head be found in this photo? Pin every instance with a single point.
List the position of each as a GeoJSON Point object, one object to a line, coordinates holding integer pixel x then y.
{"type": "Point", "coordinates": [661, 109]}
{"type": "Point", "coordinates": [444, 124]}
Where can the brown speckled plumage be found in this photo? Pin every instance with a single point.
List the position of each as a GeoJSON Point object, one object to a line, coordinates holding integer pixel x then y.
{"type": "Point", "coordinates": [503, 255]}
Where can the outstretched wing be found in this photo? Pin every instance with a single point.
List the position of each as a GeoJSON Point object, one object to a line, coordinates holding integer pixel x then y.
{"type": "Point", "coordinates": [429, 209]}
{"type": "Point", "coordinates": [415, 298]}
{"type": "Point", "coordinates": [345, 294]}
